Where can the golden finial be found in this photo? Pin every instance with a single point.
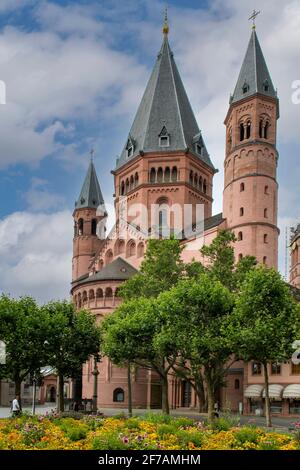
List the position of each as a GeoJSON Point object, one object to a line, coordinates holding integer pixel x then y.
{"type": "Point", "coordinates": [253, 17]}
{"type": "Point", "coordinates": [166, 24]}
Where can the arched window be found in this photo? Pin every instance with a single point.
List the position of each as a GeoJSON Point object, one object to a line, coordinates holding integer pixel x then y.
{"type": "Point", "coordinates": [160, 175]}
{"type": "Point", "coordinates": [99, 293]}
{"type": "Point", "coordinates": [196, 180]}
{"type": "Point", "coordinates": [241, 211]}
{"type": "Point", "coordinates": [240, 236]}
{"type": "Point", "coordinates": [191, 177]}
{"type": "Point", "coordinates": [265, 238]}
{"type": "Point", "coordinates": [240, 256]}
{"type": "Point", "coordinates": [101, 264]}
{"type": "Point", "coordinates": [266, 85]}
{"type": "Point", "coordinates": [200, 183]}
{"type": "Point", "coordinates": [94, 226]}
{"type": "Point", "coordinates": [265, 213]}
{"type": "Point", "coordinates": [91, 294]}
{"type": "Point", "coordinates": [264, 260]}
{"type": "Point", "coordinates": [248, 130]}
{"type": "Point", "coordinates": [118, 395]}
{"type": "Point", "coordinates": [80, 227]}
{"type": "Point", "coordinates": [122, 188]}
{"type": "Point", "coordinates": [75, 229]}
{"type": "Point", "coordinates": [84, 296]}
{"type": "Point", "coordinates": [140, 250]}
{"type": "Point", "coordinates": [108, 256]}
{"type": "Point", "coordinates": [119, 247]}
{"type": "Point", "coordinates": [267, 125]}
{"type": "Point", "coordinates": [136, 180]}
{"type": "Point", "coordinates": [127, 186]}
{"type": "Point", "coordinates": [131, 248]}
{"type": "Point", "coordinates": [230, 138]}
{"type": "Point", "coordinates": [131, 182]}
{"type": "Point", "coordinates": [108, 292]}
{"type": "Point", "coordinates": [174, 173]}
{"type": "Point", "coordinates": [167, 174]}
{"type": "Point", "coordinates": [152, 175]}
{"type": "Point", "coordinates": [266, 189]}
{"type": "Point", "coordinates": [236, 384]}
{"type": "Point", "coordinates": [204, 186]}
{"type": "Point", "coordinates": [79, 300]}
{"type": "Point", "coordinates": [245, 87]}
{"type": "Point", "coordinates": [242, 132]}
{"type": "Point", "coordinates": [242, 187]}
{"type": "Point", "coordinates": [261, 124]}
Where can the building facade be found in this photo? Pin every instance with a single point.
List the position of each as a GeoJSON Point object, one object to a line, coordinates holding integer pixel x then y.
{"type": "Point", "coordinates": [165, 164]}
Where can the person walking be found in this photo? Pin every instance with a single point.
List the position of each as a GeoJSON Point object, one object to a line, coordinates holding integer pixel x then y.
{"type": "Point", "coordinates": [15, 406]}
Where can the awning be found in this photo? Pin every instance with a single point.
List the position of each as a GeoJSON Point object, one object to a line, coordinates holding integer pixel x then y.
{"type": "Point", "coordinates": [253, 391]}
{"type": "Point", "coordinates": [275, 391]}
{"type": "Point", "coordinates": [292, 391]}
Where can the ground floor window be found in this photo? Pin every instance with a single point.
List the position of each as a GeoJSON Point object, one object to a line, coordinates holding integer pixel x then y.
{"type": "Point", "coordinates": [276, 406]}
{"type": "Point", "coordinates": [255, 405]}
{"type": "Point", "coordinates": [118, 395]}
{"type": "Point", "coordinates": [294, 407]}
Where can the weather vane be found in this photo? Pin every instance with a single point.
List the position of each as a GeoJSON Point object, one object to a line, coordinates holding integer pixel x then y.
{"type": "Point", "coordinates": [253, 17]}
{"type": "Point", "coordinates": [92, 153]}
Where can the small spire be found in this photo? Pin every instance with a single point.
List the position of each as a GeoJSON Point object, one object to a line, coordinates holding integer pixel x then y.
{"type": "Point", "coordinates": [253, 18]}
{"type": "Point", "coordinates": [166, 23]}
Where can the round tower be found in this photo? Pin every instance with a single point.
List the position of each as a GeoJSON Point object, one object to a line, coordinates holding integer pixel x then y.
{"type": "Point", "coordinates": [88, 214]}
{"type": "Point", "coordinates": [250, 186]}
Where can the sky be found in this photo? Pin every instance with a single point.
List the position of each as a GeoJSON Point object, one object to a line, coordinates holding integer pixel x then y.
{"type": "Point", "coordinates": [75, 72]}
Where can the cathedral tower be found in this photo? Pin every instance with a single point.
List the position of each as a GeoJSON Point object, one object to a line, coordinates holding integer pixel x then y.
{"type": "Point", "coordinates": [89, 211]}
{"type": "Point", "coordinates": [164, 161]}
{"type": "Point", "coordinates": [250, 187]}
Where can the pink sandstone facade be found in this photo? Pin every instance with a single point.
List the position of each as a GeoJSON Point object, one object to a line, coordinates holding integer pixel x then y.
{"type": "Point", "coordinates": [165, 162]}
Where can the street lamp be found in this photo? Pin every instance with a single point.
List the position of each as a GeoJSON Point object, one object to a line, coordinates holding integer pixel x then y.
{"type": "Point", "coordinates": [95, 374]}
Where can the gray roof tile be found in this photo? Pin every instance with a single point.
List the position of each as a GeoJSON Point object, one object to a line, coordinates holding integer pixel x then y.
{"type": "Point", "coordinates": [164, 104]}
{"type": "Point", "coordinates": [254, 73]}
{"type": "Point", "coordinates": [90, 195]}
{"type": "Point", "coordinates": [118, 270]}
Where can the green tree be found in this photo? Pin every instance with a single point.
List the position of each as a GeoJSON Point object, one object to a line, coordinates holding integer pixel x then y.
{"type": "Point", "coordinates": [192, 314]}
{"type": "Point", "coordinates": [24, 328]}
{"type": "Point", "coordinates": [73, 338]}
{"type": "Point", "coordinates": [263, 324]}
{"type": "Point", "coordinates": [161, 268]}
{"type": "Point", "coordinates": [129, 334]}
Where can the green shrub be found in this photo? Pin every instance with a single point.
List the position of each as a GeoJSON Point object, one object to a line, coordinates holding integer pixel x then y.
{"type": "Point", "coordinates": [183, 422]}
{"type": "Point", "coordinates": [132, 423]}
{"type": "Point", "coordinates": [74, 430]}
{"type": "Point", "coordinates": [108, 442]}
{"type": "Point", "coordinates": [164, 430]}
{"type": "Point", "coordinates": [184, 437]}
{"type": "Point", "coordinates": [246, 435]}
{"type": "Point", "coordinates": [225, 423]}
{"type": "Point", "coordinates": [158, 418]}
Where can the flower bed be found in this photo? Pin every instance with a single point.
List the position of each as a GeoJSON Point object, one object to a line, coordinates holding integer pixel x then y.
{"type": "Point", "coordinates": [148, 432]}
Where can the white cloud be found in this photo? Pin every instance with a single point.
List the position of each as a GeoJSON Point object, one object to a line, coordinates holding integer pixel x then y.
{"type": "Point", "coordinates": [39, 198]}
{"type": "Point", "coordinates": [36, 255]}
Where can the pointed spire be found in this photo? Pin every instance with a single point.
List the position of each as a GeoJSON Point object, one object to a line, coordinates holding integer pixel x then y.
{"type": "Point", "coordinates": [164, 105]}
{"type": "Point", "coordinates": [90, 195]}
{"type": "Point", "coordinates": [254, 76]}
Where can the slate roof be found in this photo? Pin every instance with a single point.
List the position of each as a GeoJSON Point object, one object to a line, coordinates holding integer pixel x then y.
{"type": "Point", "coordinates": [254, 73]}
{"type": "Point", "coordinates": [90, 195]}
{"type": "Point", "coordinates": [164, 104]}
{"type": "Point", "coordinates": [117, 270]}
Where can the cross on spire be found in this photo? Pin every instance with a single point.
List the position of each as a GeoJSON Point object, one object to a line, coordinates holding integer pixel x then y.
{"type": "Point", "coordinates": [253, 17]}
{"type": "Point", "coordinates": [166, 23]}
{"type": "Point", "coordinates": [92, 154]}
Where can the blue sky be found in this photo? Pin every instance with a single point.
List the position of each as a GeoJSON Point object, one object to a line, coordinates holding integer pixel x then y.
{"type": "Point", "coordinates": [75, 72]}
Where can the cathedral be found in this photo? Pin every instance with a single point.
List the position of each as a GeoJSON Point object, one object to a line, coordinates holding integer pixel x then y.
{"type": "Point", "coordinates": [165, 163]}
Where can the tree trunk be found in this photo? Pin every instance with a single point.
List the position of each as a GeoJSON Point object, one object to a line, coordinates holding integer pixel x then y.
{"type": "Point", "coordinates": [18, 383]}
{"type": "Point", "coordinates": [267, 399]}
{"type": "Point", "coordinates": [210, 401]}
{"type": "Point", "coordinates": [129, 390]}
{"type": "Point", "coordinates": [61, 403]}
{"type": "Point", "coordinates": [165, 395]}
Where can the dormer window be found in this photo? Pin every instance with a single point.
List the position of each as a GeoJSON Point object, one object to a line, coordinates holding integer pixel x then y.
{"type": "Point", "coordinates": [199, 149]}
{"type": "Point", "coordinates": [130, 147]}
{"type": "Point", "coordinates": [245, 87]}
{"type": "Point", "coordinates": [266, 85]}
{"type": "Point", "coordinates": [164, 138]}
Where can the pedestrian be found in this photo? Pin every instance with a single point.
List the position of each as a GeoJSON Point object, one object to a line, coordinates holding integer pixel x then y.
{"type": "Point", "coordinates": [15, 406]}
